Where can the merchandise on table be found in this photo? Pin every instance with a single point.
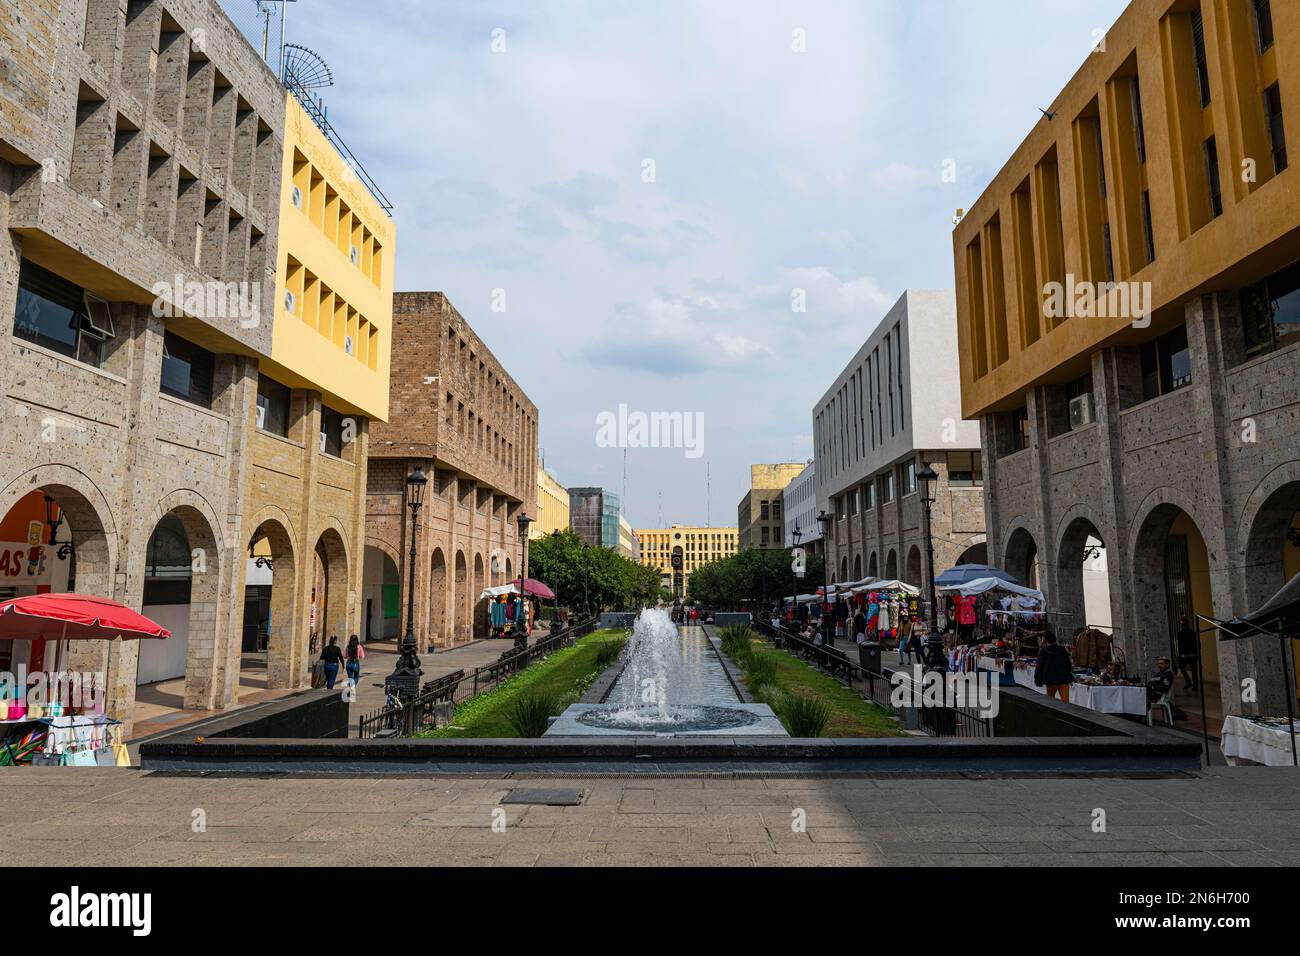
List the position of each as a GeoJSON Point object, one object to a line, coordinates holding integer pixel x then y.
{"type": "Point", "coordinates": [1262, 740]}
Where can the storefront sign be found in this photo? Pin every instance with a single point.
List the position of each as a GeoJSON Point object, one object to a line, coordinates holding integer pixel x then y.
{"type": "Point", "coordinates": [28, 564]}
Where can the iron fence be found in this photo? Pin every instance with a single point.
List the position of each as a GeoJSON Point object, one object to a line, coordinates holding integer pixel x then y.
{"type": "Point", "coordinates": [405, 719]}
{"type": "Point", "coordinates": [877, 686]}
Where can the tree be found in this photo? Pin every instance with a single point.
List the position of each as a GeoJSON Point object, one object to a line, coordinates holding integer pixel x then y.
{"type": "Point", "coordinates": [595, 578]}
{"type": "Point", "coordinates": [752, 578]}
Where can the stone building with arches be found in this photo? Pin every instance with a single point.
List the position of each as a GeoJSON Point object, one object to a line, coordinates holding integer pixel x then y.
{"type": "Point", "coordinates": [1165, 435]}
{"type": "Point", "coordinates": [170, 418]}
{"type": "Point", "coordinates": [457, 414]}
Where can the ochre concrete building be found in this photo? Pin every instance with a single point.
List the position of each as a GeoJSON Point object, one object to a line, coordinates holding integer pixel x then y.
{"type": "Point", "coordinates": [679, 549]}
{"type": "Point", "coordinates": [140, 161]}
{"type": "Point", "coordinates": [456, 413]}
{"type": "Point", "coordinates": [759, 516]}
{"type": "Point", "coordinates": [1159, 416]}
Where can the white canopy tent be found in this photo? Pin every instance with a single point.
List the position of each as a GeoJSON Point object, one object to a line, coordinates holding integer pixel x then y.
{"type": "Point", "coordinates": [982, 585]}
{"type": "Point", "coordinates": [895, 585]}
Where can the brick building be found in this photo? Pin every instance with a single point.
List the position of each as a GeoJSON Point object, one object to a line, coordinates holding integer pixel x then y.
{"type": "Point", "coordinates": [895, 407]}
{"type": "Point", "coordinates": [456, 413]}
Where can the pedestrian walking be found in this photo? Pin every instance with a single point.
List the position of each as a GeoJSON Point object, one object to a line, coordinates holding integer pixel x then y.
{"type": "Point", "coordinates": [352, 660]}
{"type": "Point", "coordinates": [1054, 670]}
{"type": "Point", "coordinates": [331, 658]}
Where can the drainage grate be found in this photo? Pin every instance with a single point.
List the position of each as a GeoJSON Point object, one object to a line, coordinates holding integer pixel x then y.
{"type": "Point", "coordinates": [546, 798]}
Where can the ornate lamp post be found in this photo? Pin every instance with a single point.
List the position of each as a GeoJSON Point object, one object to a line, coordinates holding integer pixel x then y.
{"type": "Point", "coordinates": [521, 635]}
{"type": "Point", "coordinates": [926, 480]}
{"type": "Point", "coordinates": [404, 681]}
{"type": "Point", "coordinates": [826, 520]}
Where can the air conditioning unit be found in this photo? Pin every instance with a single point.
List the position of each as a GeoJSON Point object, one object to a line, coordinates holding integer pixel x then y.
{"type": "Point", "coordinates": [1083, 411]}
{"type": "Point", "coordinates": [290, 302]}
{"type": "Point", "coordinates": [354, 254]}
{"type": "Point", "coordinates": [295, 196]}
{"type": "Point", "coordinates": [347, 344]}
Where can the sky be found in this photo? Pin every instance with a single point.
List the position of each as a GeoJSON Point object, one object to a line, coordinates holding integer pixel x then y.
{"type": "Point", "coordinates": [627, 201]}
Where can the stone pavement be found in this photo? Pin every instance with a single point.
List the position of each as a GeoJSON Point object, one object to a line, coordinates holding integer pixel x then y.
{"type": "Point", "coordinates": [106, 816]}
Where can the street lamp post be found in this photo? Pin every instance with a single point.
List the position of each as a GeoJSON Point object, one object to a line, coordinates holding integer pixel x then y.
{"type": "Point", "coordinates": [826, 519]}
{"type": "Point", "coordinates": [521, 635]}
{"type": "Point", "coordinates": [926, 479]}
{"type": "Point", "coordinates": [404, 681]}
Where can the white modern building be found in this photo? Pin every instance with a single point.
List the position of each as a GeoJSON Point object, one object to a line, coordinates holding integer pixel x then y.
{"type": "Point", "coordinates": [895, 407]}
{"type": "Point", "coordinates": [800, 509]}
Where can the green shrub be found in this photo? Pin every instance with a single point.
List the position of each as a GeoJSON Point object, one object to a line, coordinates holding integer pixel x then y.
{"type": "Point", "coordinates": [735, 640]}
{"type": "Point", "coordinates": [758, 669]}
{"type": "Point", "coordinates": [528, 715]}
{"type": "Point", "coordinates": [608, 653]}
{"type": "Point", "coordinates": [769, 694]}
{"type": "Point", "coordinates": [804, 716]}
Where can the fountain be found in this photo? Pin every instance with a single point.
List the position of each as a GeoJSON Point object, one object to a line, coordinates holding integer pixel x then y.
{"type": "Point", "coordinates": [673, 683]}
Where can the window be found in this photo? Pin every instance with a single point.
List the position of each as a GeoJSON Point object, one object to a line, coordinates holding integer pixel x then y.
{"type": "Point", "coordinates": [1020, 428]}
{"type": "Point", "coordinates": [272, 407]}
{"type": "Point", "coordinates": [870, 488]}
{"type": "Point", "coordinates": [331, 432]}
{"type": "Point", "coordinates": [1211, 151]}
{"type": "Point", "coordinates": [887, 487]}
{"type": "Point", "coordinates": [1110, 255]}
{"type": "Point", "coordinates": [853, 503]}
{"type": "Point", "coordinates": [1148, 230]}
{"type": "Point", "coordinates": [186, 371]}
{"type": "Point", "coordinates": [57, 315]}
{"type": "Point", "coordinates": [1166, 364]}
{"type": "Point", "coordinates": [1276, 131]}
{"type": "Point", "coordinates": [1270, 312]}
{"type": "Point", "coordinates": [965, 469]}
{"type": "Point", "coordinates": [1198, 54]}
{"type": "Point", "coordinates": [1263, 24]}
{"type": "Point", "coordinates": [1139, 129]}
{"type": "Point", "coordinates": [763, 511]}
{"type": "Point", "coordinates": [909, 478]}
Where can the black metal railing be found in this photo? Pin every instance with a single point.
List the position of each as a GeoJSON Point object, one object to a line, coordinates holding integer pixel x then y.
{"type": "Point", "coordinates": [407, 718]}
{"type": "Point", "coordinates": [876, 686]}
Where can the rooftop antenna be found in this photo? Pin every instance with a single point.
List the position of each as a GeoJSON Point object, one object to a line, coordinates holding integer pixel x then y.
{"type": "Point", "coordinates": [264, 9]}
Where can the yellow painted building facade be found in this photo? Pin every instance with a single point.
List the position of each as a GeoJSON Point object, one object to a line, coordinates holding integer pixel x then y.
{"type": "Point", "coordinates": [552, 505]}
{"type": "Point", "coordinates": [693, 545]}
{"type": "Point", "coordinates": [326, 380]}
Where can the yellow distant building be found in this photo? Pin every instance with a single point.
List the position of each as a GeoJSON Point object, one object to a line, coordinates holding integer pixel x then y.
{"type": "Point", "coordinates": [552, 505]}
{"type": "Point", "coordinates": [759, 516]}
{"type": "Point", "coordinates": [679, 550]}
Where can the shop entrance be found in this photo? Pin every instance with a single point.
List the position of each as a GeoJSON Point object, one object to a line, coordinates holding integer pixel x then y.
{"type": "Point", "coordinates": [1273, 554]}
{"type": "Point", "coordinates": [268, 643]}
{"type": "Point", "coordinates": [33, 561]}
{"type": "Point", "coordinates": [381, 597]}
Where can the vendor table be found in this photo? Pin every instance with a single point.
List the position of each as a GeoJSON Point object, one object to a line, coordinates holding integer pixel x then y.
{"type": "Point", "coordinates": [1103, 698]}
{"type": "Point", "coordinates": [1262, 743]}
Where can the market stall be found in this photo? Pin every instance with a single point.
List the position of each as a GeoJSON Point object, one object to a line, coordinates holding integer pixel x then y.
{"type": "Point", "coordinates": [60, 721]}
{"type": "Point", "coordinates": [1262, 740]}
{"type": "Point", "coordinates": [1277, 619]}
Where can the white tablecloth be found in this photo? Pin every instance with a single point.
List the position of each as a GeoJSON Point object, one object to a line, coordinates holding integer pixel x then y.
{"type": "Point", "coordinates": [1242, 737]}
{"type": "Point", "coordinates": [1103, 698]}
{"type": "Point", "coordinates": [1110, 698]}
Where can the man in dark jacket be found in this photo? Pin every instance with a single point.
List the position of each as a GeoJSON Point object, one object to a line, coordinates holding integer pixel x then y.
{"type": "Point", "coordinates": [1055, 670]}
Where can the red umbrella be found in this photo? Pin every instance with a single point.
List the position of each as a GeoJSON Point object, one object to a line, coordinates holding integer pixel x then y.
{"type": "Point", "coordinates": [538, 589]}
{"type": "Point", "coordinates": [73, 616]}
